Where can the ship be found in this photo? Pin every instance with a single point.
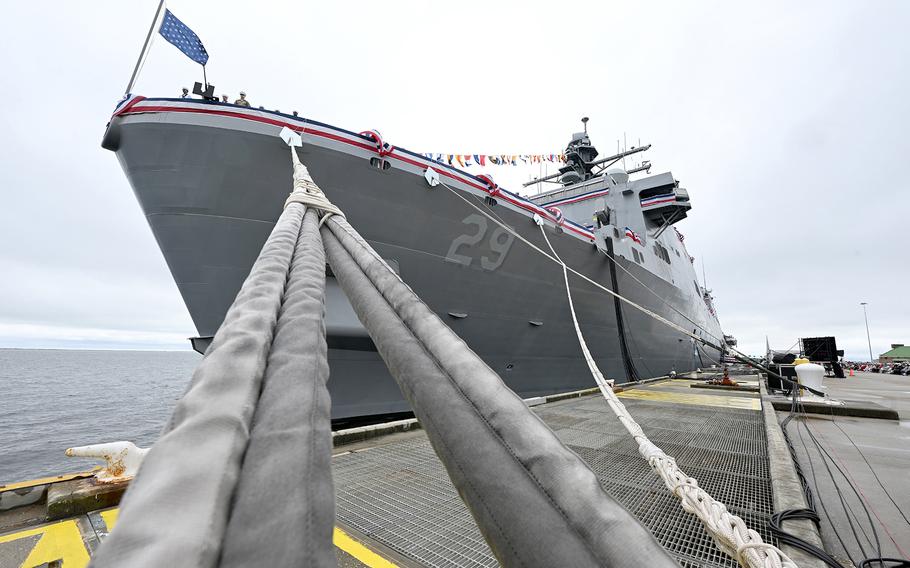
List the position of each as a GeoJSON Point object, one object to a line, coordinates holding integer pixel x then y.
{"type": "Point", "coordinates": [212, 179]}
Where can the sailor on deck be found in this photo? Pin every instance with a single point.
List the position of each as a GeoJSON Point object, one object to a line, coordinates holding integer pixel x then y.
{"type": "Point", "coordinates": [242, 100]}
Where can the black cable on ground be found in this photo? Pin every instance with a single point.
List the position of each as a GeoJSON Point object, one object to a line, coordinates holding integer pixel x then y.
{"type": "Point", "coordinates": [896, 563]}
{"type": "Point", "coordinates": [871, 469]}
{"type": "Point", "coordinates": [847, 509]}
{"type": "Point", "coordinates": [811, 514]}
{"type": "Point", "coordinates": [784, 537]}
{"type": "Point", "coordinates": [824, 508]}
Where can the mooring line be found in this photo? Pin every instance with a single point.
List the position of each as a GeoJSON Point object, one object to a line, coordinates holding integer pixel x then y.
{"type": "Point", "coordinates": [622, 298]}
{"type": "Point", "coordinates": [730, 532]}
{"type": "Point", "coordinates": [737, 354]}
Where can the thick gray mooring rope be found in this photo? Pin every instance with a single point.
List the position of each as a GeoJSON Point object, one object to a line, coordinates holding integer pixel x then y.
{"type": "Point", "coordinates": [535, 501]}
{"type": "Point", "coordinates": [241, 476]}
{"type": "Point", "coordinates": [249, 442]}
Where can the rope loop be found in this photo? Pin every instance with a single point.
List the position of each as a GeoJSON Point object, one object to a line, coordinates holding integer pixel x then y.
{"type": "Point", "coordinates": [306, 192]}
{"type": "Point", "coordinates": [493, 189]}
{"type": "Point", "coordinates": [382, 148]}
{"type": "Point", "coordinates": [317, 201]}
{"type": "Point", "coordinates": [556, 212]}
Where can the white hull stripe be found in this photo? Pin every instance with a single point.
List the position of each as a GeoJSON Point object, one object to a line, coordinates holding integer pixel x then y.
{"type": "Point", "coordinates": [658, 199]}
{"type": "Point", "coordinates": [141, 105]}
{"type": "Point", "coordinates": [577, 198]}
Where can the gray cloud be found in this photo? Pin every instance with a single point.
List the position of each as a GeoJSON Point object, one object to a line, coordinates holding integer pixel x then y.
{"type": "Point", "coordinates": [785, 121]}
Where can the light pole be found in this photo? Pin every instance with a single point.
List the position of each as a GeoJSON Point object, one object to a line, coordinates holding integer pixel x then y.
{"type": "Point", "coordinates": [866, 317]}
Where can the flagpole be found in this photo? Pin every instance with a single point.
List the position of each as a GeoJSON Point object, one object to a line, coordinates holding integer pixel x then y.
{"type": "Point", "coordinates": [148, 38]}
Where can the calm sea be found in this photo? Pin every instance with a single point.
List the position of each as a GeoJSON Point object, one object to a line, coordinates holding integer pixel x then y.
{"type": "Point", "coordinates": [54, 399]}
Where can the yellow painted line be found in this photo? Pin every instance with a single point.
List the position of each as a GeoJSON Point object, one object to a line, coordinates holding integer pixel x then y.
{"type": "Point", "coordinates": [59, 541]}
{"type": "Point", "coordinates": [696, 399]}
{"type": "Point", "coordinates": [47, 480]}
{"type": "Point", "coordinates": [344, 541]}
{"type": "Point", "coordinates": [110, 518]}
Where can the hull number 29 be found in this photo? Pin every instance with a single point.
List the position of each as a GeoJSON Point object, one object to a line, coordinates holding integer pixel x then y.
{"type": "Point", "coordinates": [492, 253]}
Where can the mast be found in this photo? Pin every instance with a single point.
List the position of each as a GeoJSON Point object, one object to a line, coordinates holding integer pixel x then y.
{"type": "Point", "coordinates": [612, 158]}
{"type": "Point", "coordinates": [148, 38]}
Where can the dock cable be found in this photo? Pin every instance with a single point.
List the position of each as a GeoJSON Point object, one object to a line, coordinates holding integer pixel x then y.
{"type": "Point", "coordinates": [860, 496]}
{"type": "Point", "coordinates": [798, 411]}
{"type": "Point", "coordinates": [852, 519]}
{"type": "Point", "coordinates": [808, 513]}
{"type": "Point", "coordinates": [866, 506]}
{"type": "Point", "coordinates": [871, 470]}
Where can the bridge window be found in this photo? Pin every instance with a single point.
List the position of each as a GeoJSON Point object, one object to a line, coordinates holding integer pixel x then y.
{"type": "Point", "coordinates": [661, 252]}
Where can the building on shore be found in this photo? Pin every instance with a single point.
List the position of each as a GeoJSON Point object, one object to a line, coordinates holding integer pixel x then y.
{"type": "Point", "coordinates": [898, 353]}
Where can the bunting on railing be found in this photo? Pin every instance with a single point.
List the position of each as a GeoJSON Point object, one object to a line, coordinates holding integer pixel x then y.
{"type": "Point", "coordinates": [468, 160]}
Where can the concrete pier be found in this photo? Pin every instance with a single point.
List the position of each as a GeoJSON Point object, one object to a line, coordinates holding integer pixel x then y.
{"type": "Point", "coordinates": [393, 494]}
{"type": "Point", "coordinates": [874, 454]}
{"type": "Point", "coordinates": [397, 507]}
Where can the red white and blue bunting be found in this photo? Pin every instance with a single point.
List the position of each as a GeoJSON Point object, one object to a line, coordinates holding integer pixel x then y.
{"type": "Point", "coordinates": [468, 160]}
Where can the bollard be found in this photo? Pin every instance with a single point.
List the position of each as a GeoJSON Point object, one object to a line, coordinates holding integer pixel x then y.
{"type": "Point", "coordinates": [122, 459]}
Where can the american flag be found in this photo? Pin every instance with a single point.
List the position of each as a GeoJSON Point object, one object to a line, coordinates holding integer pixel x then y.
{"type": "Point", "coordinates": [633, 235]}
{"type": "Point", "coordinates": [183, 38]}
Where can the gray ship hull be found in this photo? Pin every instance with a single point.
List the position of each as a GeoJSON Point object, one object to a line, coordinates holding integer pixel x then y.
{"type": "Point", "coordinates": [212, 186]}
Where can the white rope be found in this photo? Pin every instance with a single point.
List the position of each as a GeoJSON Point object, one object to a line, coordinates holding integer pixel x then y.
{"type": "Point", "coordinates": [603, 288]}
{"type": "Point", "coordinates": [729, 532]}
{"type": "Point", "coordinates": [308, 193]}
{"type": "Point", "coordinates": [642, 309]}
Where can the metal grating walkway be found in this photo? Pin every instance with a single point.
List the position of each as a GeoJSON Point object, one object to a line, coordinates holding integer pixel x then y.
{"type": "Point", "coordinates": [399, 494]}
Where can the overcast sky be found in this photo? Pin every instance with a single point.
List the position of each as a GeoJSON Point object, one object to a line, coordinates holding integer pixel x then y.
{"type": "Point", "coordinates": [788, 123]}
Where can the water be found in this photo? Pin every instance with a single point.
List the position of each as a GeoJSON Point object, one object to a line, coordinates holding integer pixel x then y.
{"type": "Point", "coordinates": [54, 399]}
